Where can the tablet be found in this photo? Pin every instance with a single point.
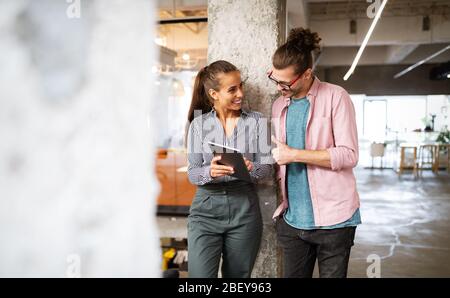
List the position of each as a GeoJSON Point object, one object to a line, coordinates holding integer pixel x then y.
{"type": "Point", "coordinates": [231, 157]}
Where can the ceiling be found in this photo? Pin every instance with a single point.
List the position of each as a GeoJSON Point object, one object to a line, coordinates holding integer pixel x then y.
{"type": "Point", "coordinates": [407, 32]}
{"type": "Point", "coordinates": [321, 9]}
{"type": "Point", "coordinates": [400, 37]}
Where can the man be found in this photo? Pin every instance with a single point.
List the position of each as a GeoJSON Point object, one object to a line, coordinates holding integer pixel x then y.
{"type": "Point", "coordinates": [316, 151]}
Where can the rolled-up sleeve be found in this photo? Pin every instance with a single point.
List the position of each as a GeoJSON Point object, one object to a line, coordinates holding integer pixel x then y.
{"type": "Point", "coordinates": [198, 173]}
{"type": "Point", "coordinates": [345, 152]}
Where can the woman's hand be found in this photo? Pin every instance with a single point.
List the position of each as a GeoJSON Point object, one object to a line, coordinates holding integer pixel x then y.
{"type": "Point", "coordinates": [249, 164]}
{"type": "Point", "coordinates": [217, 170]}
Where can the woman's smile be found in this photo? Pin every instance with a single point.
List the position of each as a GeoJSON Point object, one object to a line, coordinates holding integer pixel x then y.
{"type": "Point", "coordinates": [237, 101]}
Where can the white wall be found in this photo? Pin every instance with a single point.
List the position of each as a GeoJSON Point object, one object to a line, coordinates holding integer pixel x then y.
{"type": "Point", "coordinates": [403, 115]}
{"type": "Point", "coordinates": [77, 183]}
{"type": "Point", "coordinates": [406, 113]}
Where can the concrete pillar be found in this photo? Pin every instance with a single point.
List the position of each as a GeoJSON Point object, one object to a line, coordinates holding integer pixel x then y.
{"type": "Point", "coordinates": [77, 185]}
{"type": "Point", "coordinates": [247, 33]}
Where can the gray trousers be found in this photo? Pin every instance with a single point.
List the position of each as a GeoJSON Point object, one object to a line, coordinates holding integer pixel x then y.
{"type": "Point", "coordinates": [224, 221]}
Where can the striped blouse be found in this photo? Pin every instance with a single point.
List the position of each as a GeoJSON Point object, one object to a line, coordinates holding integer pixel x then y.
{"type": "Point", "coordinates": [250, 136]}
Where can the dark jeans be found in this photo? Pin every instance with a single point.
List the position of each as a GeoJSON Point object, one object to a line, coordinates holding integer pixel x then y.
{"type": "Point", "coordinates": [301, 248]}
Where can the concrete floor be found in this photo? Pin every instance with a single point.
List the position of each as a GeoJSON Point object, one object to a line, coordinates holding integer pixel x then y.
{"type": "Point", "coordinates": [406, 223]}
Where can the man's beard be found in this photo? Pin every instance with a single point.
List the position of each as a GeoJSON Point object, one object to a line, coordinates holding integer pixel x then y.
{"type": "Point", "coordinates": [291, 93]}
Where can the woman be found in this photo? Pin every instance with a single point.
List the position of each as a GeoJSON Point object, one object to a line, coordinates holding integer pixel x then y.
{"type": "Point", "coordinates": [225, 219]}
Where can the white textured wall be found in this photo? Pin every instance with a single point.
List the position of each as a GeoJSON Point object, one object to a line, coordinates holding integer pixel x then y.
{"type": "Point", "coordinates": [247, 33]}
{"type": "Point", "coordinates": [77, 188]}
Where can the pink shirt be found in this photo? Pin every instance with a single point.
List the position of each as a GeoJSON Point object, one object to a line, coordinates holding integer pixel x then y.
{"type": "Point", "coordinates": [332, 126]}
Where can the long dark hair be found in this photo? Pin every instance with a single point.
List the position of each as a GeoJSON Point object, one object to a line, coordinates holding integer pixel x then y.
{"type": "Point", "coordinates": [207, 78]}
{"type": "Point", "coordinates": [297, 51]}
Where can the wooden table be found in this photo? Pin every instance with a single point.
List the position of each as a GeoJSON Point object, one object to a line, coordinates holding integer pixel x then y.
{"type": "Point", "coordinates": [438, 150]}
{"type": "Point", "coordinates": [420, 159]}
{"type": "Point", "coordinates": [403, 165]}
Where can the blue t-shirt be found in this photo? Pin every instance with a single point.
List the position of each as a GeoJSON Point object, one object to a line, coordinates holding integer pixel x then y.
{"type": "Point", "coordinates": [300, 213]}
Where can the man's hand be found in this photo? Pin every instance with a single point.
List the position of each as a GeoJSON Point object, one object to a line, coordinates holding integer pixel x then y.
{"type": "Point", "coordinates": [283, 154]}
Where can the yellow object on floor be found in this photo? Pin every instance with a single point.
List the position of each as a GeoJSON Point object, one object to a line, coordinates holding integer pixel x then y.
{"type": "Point", "coordinates": [167, 256]}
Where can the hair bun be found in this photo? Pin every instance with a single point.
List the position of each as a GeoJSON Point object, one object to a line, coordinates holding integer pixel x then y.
{"type": "Point", "coordinates": [304, 39]}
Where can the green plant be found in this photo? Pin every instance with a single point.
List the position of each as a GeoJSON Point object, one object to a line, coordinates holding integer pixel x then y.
{"type": "Point", "coordinates": [426, 121]}
{"type": "Point", "coordinates": [444, 137]}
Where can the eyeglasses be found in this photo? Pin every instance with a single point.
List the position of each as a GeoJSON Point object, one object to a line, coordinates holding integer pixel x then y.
{"type": "Point", "coordinates": [284, 87]}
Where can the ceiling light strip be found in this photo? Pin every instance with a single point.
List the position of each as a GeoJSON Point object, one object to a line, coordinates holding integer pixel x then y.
{"type": "Point", "coordinates": [366, 39]}
{"type": "Point", "coordinates": [421, 62]}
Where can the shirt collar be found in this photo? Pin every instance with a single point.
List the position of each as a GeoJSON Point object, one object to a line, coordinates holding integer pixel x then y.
{"type": "Point", "coordinates": [243, 112]}
{"type": "Point", "coordinates": [314, 87]}
{"type": "Point", "coordinates": [312, 92]}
